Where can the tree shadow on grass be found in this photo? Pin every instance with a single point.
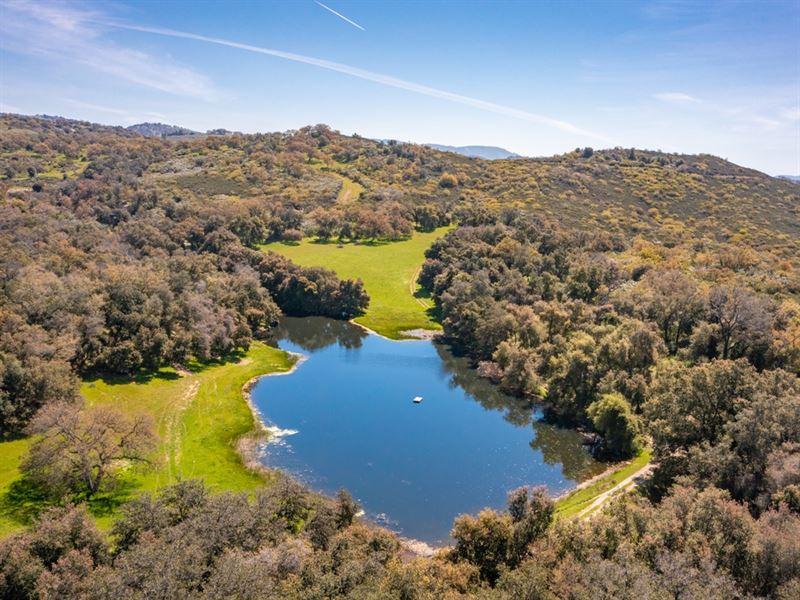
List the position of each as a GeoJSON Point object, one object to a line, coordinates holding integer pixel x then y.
{"type": "Point", "coordinates": [433, 311]}
{"type": "Point", "coordinates": [198, 366]}
{"type": "Point", "coordinates": [434, 314]}
{"type": "Point", "coordinates": [360, 242]}
{"type": "Point", "coordinates": [142, 378]}
{"type": "Point", "coordinates": [166, 374]}
{"type": "Point", "coordinates": [25, 500]}
{"type": "Point", "coordinates": [13, 436]}
{"type": "Point", "coordinates": [423, 294]}
{"type": "Point", "coordinates": [107, 503]}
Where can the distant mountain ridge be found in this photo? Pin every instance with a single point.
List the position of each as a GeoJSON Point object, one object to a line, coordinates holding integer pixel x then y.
{"type": "Point", "coordinates": [487, 152]}
{"type": "Point", "coordinates": [792, 178]}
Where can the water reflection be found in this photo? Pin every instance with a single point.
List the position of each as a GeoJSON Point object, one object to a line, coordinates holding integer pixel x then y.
{"type": "Point", "coordinates": [351, 422]}
{"type": "Point", "coordinates": [557, 446]}
{"type": "Point", "coordinates": [515, 410]}
{"type": "Point", "coordinates": [316, 333]}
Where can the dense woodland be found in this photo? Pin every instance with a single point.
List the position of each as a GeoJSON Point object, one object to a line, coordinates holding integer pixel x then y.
{"type": "Point", "coordinates": [644, 297]}
{"type": "Point", "coordinates": [287, 543]}
{"type": "Point", "coordinates": [104, 271]}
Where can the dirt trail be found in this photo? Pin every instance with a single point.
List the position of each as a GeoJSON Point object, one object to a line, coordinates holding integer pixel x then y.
{"type": "Point", "coordinates": [350, 192]}
{"type": "Point", "coordinates": [172, 429]}
{"type": "Point", "coordinates": [625, 484]}
{"type": "Point", "coordinates": [412, 284]}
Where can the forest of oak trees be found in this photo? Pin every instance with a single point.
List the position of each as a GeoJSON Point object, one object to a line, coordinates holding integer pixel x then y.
{"type": "Point", "coordinates": [643, 297]}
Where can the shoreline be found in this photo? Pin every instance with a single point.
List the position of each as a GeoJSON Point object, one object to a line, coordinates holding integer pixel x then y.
{"type": "Point", "coordinates": [574, 503]}
{"type": "Point", "coordinates": [248, 448]}
{"type": "Point", "coordinates": [247, 445]}
{"type": "Point", "coordinates": [251, 450]}
{"type": "Point", "coordinates": [416, 548]}
{"type": "Point", "coordinates": [413, 335]}
{"type": "Point", "coordinates": [613, 468]}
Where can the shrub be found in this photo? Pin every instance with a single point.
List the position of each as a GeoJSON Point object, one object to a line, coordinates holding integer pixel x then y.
{"type": "Point", "coordinates": [448, 180]}
{"type": "Point", "coordinates": [613, 417]}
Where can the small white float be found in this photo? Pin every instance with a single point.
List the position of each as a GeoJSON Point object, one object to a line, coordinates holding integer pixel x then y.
{"type": "Point", "coordinates": [417, 399]}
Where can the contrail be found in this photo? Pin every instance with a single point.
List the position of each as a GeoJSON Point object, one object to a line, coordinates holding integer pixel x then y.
{"type": "Point", "coordinates": [341, 16]}
{"type": "Point", "coordinates": [370, 76]}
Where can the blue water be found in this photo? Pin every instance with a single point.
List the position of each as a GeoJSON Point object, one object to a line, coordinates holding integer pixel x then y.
{"type": "Point", "coordinates": [349, 421]}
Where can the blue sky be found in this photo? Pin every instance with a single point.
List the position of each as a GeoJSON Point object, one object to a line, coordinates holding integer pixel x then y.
{"type": "Point", "coordinates": [538, 78]}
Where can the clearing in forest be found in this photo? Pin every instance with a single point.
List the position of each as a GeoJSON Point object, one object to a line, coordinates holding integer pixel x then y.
{"type": "Point", "coordinates": [389, 272]}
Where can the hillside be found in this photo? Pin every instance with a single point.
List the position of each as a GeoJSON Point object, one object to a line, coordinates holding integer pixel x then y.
{"type": "Point", "coordinates": [667, 199]}
{"type": "Point", "coordinates": [647, 301]}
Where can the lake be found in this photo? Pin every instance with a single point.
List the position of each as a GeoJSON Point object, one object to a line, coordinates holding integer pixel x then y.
{"type": "Point", "coordinates": [345, 417]}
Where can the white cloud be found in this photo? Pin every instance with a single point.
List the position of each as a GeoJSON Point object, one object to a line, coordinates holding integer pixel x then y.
{"type": "Point", "coordinates": [676, 98]}
{"type": "Point", "coordinates": [120, 115]}
{"type": "Point", "coordinates": [70, 33]}
{"type": "Point", "coordinates": [744, 117]}
{"type": "Point", "coordinates": [764, 121]}
{"type": "Point", "coordinates": [73, 34]}
{"type": "Point", "coordinates": [791, 114]}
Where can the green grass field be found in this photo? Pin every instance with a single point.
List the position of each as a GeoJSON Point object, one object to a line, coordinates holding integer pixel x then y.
{"type": "Point", "coordinates": [572, 504]}
{"type": "Point", "coordinates": [389, 272]}
{"type": "Point", "coordinates": [200, 415]}
{"type": "Point", "coordinates": [13, 508]}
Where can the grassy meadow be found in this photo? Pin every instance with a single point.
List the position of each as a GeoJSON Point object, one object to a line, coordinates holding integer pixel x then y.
{"type": "Point", "coordinates": [200, 415]}
{"type": "Point", "coordinates": [389, 272]}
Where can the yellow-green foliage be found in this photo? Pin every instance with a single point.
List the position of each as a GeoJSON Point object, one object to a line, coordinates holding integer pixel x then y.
{"type": "Point", "coordinates": [350, 191]}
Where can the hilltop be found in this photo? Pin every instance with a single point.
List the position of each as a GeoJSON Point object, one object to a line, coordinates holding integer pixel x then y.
{"type": "Point", "coordinates": [662, 198]}
{"type": "Point", "coordinates": [161, 130]}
